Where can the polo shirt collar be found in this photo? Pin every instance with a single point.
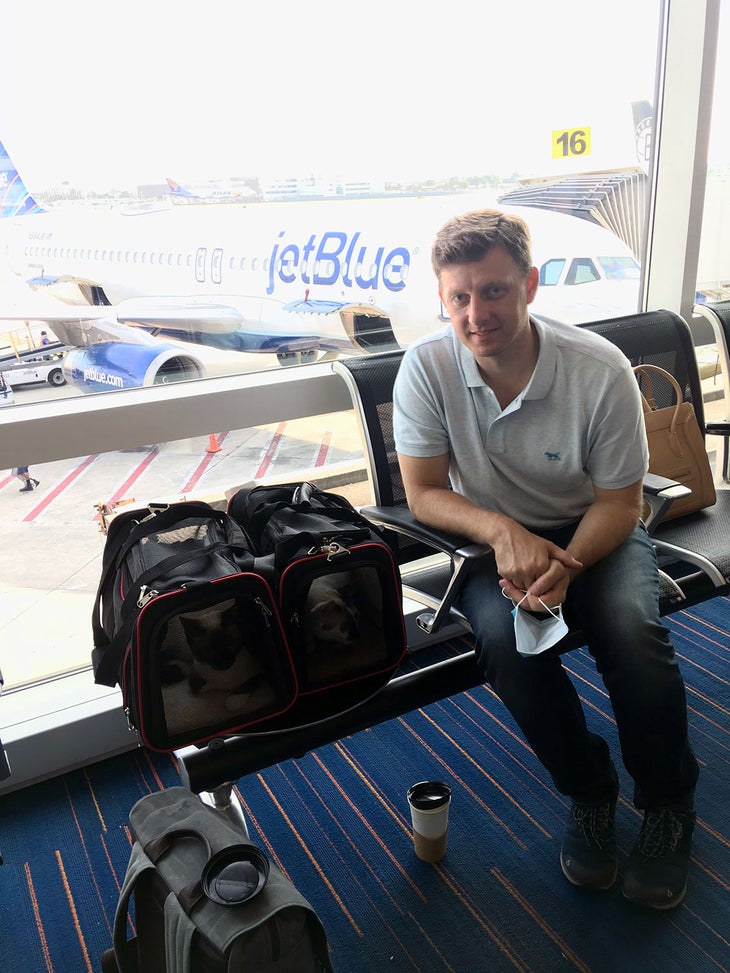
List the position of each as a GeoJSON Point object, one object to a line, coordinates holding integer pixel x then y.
{"type": "Point", "coordinates": [542, 376]}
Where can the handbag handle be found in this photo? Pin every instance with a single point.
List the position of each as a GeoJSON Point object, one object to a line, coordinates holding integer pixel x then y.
{"type": "Point", "coordinates": [648, 402]}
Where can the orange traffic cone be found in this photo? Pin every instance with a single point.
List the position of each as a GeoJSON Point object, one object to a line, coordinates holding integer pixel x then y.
{"type": "Point", "coordinates": [213, 446]}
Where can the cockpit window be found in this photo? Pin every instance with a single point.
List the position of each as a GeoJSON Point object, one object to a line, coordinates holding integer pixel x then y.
{"type": "Point", "coordinates": [550, 272]}
{"type": "Point", "coordinates": [620, 268]}
{"type": "Point", "coordinates": [582, 271]}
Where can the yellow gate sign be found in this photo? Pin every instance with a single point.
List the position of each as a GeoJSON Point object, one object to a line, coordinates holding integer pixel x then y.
{"type": "Point", "coordinates": [569, 142]}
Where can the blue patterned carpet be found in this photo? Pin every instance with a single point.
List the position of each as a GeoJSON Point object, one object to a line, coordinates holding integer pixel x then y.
{"type": "Point", "coordinates": [337, 823]}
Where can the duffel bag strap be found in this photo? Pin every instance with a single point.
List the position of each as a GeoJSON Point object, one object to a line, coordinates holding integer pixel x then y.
{"type": "Point", "coordinates": [124, 949]}
{"type": "Point", "coordinates": [179, 932]}
{"type": "Point", "coordinates": [179, 928]}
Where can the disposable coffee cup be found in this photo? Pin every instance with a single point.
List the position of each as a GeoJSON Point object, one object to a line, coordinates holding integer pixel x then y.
{"type": "Point", "coordinates": [429, 802]}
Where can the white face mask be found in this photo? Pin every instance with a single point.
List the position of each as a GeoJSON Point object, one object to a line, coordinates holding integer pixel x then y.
{"type": "Point", "coordinates": [535, 635]}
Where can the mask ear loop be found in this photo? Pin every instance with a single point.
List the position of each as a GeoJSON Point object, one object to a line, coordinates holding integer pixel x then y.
{"type": "Point", "coordinates": [555, 612]}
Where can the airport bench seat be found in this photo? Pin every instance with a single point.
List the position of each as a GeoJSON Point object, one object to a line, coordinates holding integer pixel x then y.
{"type": "Point", "coordinates": [694, 555]}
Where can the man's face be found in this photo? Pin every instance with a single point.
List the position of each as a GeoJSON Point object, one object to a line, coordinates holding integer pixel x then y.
{"type": "Point", "coordinates": [487, 303]}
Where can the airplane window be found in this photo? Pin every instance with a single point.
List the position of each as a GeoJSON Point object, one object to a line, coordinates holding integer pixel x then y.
{"type": "Point", "coordinates": [255, 263]}
{"type": "Point", "coordinates": [582, 271]}
{"type": "Point", "coordinates": [243, 263]}
{"type": "Point", "coordinates": [231, 263]}
{"type": "Point", "coordinates": [143, 256]}
{"type": "Point", "coordinates": [153, 257]}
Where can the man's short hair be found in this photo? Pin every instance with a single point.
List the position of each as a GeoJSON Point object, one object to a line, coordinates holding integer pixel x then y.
{"type": "Point", "coordinates": [468, 238]}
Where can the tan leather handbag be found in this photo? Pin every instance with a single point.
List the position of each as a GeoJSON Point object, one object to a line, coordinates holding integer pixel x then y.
{"type": "Point", "coordinates": [676, 445]}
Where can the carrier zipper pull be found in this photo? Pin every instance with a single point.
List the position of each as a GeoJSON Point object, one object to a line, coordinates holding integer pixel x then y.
{"type": "Point", "coordinates": [331, 549]}
{"type": "Point", "coordinates": [265, 611]}
{"type": "Point", "coordinates": [146, 594]}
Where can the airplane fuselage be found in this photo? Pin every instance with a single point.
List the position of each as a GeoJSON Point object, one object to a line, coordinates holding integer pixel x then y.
{"type": "Point", "coordinates": [261, 256]}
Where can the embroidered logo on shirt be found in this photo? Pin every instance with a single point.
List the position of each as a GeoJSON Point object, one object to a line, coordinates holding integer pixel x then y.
{"type": "Point", "coordinates": [552, 457]}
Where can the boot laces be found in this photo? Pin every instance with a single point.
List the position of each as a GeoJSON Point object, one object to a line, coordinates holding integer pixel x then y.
{"type": "Point", "coordinates": [660, 834]}
{"type": "Point", "coordinates": [594, 822]}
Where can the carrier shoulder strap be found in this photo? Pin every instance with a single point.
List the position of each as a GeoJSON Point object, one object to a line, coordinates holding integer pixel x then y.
{"type": "Point", "coordinates": [119, 540]}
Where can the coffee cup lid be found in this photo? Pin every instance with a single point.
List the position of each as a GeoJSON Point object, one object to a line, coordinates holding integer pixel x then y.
{"type": "Point", "coordinates": [427, 795]}
{"type": "Point", "coordinates": [235, 875]}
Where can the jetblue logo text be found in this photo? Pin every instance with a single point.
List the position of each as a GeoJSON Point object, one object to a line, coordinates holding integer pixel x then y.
{"type": "Point", "coordinates": [336, 257]}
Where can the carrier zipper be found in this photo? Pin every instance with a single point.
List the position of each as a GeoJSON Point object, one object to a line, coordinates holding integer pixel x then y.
{"type": "Point", "coordinates": [146, 594]}
{"type": "Point", "coordinates": [330, 548]}
{"type": "Point", "coordinates": [264, 609]}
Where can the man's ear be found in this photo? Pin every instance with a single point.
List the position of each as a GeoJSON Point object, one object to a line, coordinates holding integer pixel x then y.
{"type": "Point", "coordinates": [533, 279]}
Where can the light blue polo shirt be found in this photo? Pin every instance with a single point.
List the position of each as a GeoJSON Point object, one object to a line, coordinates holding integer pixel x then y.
{"type": "Point", "coordinates": [577, 423]}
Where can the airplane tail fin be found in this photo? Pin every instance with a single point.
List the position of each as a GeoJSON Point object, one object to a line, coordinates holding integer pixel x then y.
{"type": "Point", "coordinates": [176, 189]}
{"type": "Point", "coordinates": [15, 200]}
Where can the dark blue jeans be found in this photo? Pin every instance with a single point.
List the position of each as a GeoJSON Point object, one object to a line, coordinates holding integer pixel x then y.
{"type": "Point", "coordinates": [615, 604]}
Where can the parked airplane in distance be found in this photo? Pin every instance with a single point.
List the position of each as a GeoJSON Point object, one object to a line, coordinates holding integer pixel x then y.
{"type": "Point", "coordinates": [145, 292]}
{"type": "Point", "coordinates": [217, 191]}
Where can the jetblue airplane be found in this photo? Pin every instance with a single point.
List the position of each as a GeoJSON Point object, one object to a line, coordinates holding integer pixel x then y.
{"type": "Point", "coordinates": [145, 292]}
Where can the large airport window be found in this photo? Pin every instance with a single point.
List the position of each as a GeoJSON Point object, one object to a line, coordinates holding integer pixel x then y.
{"type": "Point", "coordinates": [339, 206]}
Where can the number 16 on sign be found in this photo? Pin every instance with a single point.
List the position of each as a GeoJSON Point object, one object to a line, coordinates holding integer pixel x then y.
{"type": "Point", "coordinates": [569, 142]}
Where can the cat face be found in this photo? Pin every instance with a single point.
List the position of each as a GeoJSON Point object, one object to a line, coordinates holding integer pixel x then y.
{"type": "Point", "coordinates": [333, 621]}
{"type": "Point", "coordinates": [215, 638]}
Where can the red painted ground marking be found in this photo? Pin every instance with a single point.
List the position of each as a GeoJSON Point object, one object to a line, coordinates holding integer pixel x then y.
{"type": "Point", "coordinates": [133, 477]}
{"type": "Point", "coordinates": [59, 488]}
{"type": "Point", "coordinates": [324, 448]}
{"type": "Point", "coordinates": [271, 450]}
{"type": "Point", "coordinates": [203, 465]}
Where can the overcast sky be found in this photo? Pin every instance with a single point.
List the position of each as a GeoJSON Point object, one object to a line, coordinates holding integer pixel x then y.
{"type": "Point", "coordinates": [109, 94]}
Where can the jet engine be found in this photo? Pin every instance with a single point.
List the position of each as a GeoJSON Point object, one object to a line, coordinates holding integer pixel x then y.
{"type": "Point", "coordinates": [119, 365]}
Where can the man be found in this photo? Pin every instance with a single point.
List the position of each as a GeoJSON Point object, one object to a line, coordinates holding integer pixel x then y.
{"type": "Point", "coordinates": [29, 482]}
{"type": "Point", "coordinates": [529, 437]}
